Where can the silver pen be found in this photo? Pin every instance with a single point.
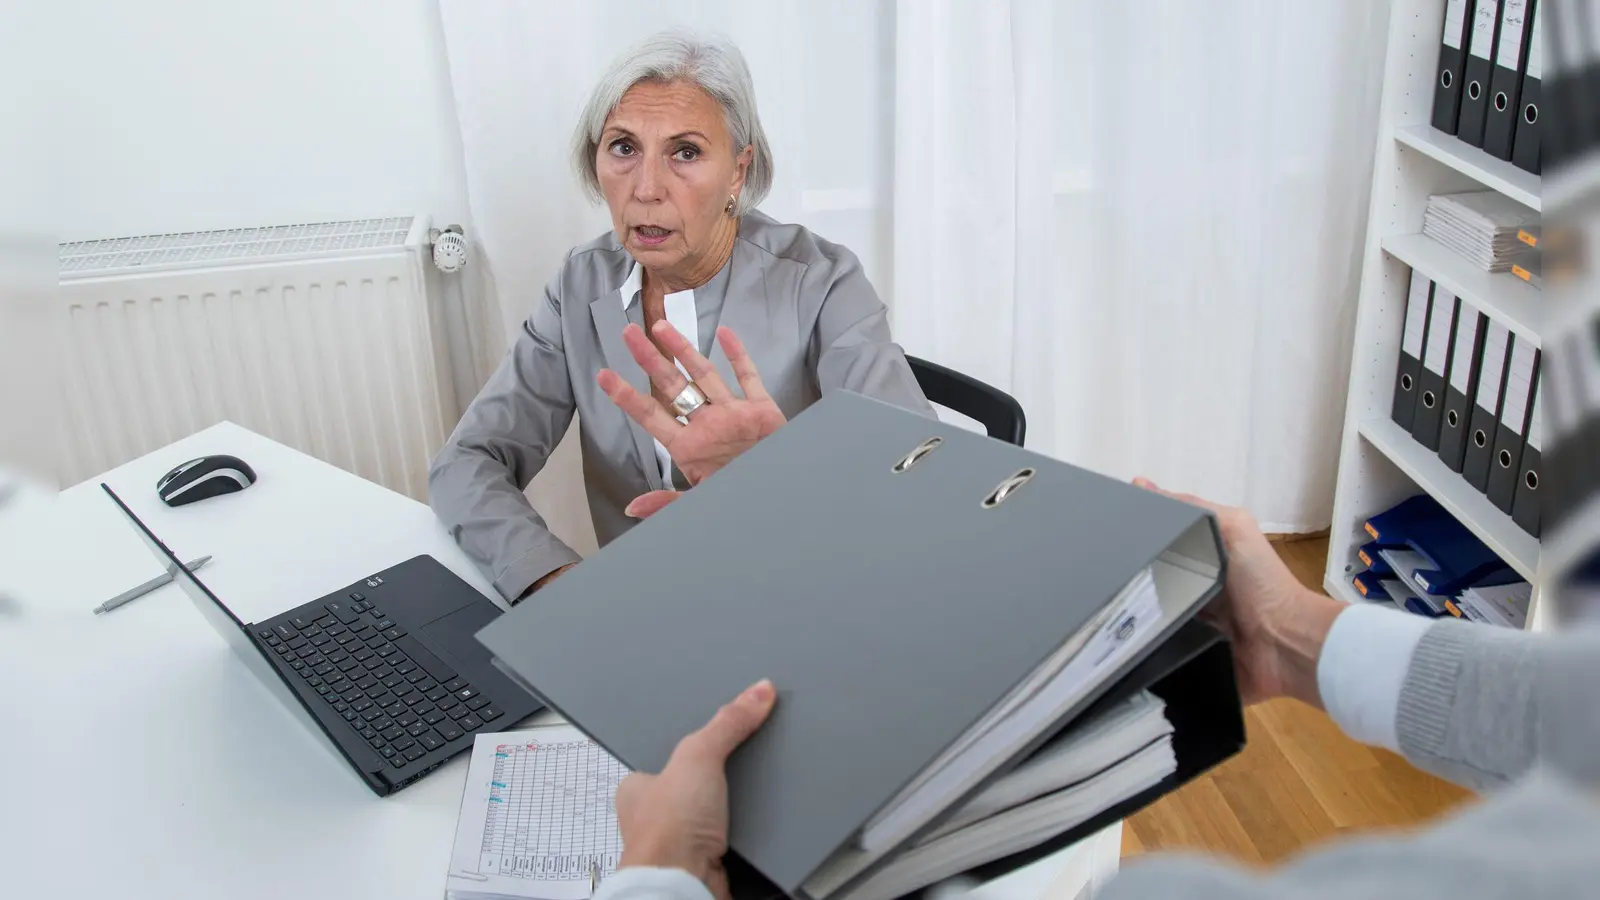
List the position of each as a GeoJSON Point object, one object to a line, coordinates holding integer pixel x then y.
{"type": "Point", "coordinates": [136, 592]}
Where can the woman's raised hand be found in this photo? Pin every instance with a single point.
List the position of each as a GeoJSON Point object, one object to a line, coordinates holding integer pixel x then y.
{"type": "Point", "coordinates": [726, 426]}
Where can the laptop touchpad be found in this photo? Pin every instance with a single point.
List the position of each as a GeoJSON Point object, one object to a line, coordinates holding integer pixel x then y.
{"type": "Point", "coordinates": [454, 633]}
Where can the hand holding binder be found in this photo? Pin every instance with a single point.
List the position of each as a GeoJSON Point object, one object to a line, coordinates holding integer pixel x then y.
{"type": "Point", "coordinates": [1257, 595]}
{"type": "Point", "coordinates": [678, 819]}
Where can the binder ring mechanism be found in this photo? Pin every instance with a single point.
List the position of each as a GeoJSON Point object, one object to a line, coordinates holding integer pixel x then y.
{"type": "Point", "coordinates": [1007, 488]}
{"type": "Point", "coordinates": [996, 497]}
{"type": "Point", "coordinates": [917, 453]}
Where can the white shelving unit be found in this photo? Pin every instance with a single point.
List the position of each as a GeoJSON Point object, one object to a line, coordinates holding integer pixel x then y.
{"type": "Point", "coordinates": [1514, 302]}
{"type": "Point", "coordinates": [1489, 171]}
{"type": "Point", "coordinates": [1379, 463]}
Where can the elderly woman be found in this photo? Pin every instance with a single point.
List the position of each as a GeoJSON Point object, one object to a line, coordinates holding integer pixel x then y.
{"type": "Point", "coordinates": [671, 141]}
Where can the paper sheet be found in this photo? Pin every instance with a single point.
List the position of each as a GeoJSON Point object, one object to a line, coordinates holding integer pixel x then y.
{"type": "Point", "coordinates": [538, 816]}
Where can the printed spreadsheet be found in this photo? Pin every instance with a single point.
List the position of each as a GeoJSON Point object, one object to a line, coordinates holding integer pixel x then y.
{"type": "Point", "coordinates": [538, 816]}
{"type": "Point", "coordinates": [552, 811]}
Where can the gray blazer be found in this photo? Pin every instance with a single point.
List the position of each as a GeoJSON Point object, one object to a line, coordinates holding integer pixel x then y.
{"type": "Point", "coordinates": [803, 308]}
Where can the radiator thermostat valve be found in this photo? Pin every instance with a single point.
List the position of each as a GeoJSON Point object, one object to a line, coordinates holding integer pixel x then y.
{"type": "Point", "coordinates": [449, 248]}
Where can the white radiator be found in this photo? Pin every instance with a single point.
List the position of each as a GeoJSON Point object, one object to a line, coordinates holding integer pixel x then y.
{"type": "Point", "coordinates": [319, 336]}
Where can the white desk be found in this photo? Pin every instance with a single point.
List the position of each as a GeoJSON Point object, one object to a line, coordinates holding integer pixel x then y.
{"type": "Point", "coordinates": [141, 759]}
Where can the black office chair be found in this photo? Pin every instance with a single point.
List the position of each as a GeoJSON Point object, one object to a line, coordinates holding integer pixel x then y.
{"type": "Point", "coordinates": [999, 412]}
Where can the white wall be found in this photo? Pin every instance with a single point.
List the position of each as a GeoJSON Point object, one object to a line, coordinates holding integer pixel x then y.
{"type": "Point", "coordinates": [198, 114]}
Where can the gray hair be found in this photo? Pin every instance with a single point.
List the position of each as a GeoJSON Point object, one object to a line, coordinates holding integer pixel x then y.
{"type": "Point", "coordinates": [714, 64]}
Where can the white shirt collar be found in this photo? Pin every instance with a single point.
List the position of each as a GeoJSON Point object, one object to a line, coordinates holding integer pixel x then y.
{"type": "Point", "coordinates": [632, 286]}
{"type": "Point", "coordinates": [682, 313]}
{"type": "Point", "coordinates": [635, 283]}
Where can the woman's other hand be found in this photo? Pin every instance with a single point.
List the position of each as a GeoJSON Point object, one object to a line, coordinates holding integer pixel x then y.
{"type": "Point", "coordinates": [647, 505]}
{"type": "Point", "coordinates": [679, 818]}
{"type": "Point", "coordinates": [726, 426]}
{"type": "Point", "coordinates": [1276, 625]}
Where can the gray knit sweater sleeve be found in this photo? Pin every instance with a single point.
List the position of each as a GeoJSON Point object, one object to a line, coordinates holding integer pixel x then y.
{"type": "Point", "coordinates": [1482, 705]}
{"type": "Point", "coordinates": [1512, 714]}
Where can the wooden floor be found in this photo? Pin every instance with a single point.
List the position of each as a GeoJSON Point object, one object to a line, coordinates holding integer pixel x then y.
{"type": "Point", "coordinates": [1298, 781]}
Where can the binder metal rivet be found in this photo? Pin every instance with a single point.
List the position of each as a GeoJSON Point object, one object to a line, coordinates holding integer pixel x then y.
{"type": "Point", "coordinates": [1453, 417]}
{"type": "Point", "coordinates": [1007, 487]}
{"type": "Point", "coordinates": [1505, 459]}
{"type": "Point", "coordinates": [1474, 90]}
{"type": "Point", "coordinates": [1446, 79]}
{"type": "Point", "coordinates": [1479, 438]}
{"type": "Point", "coordinates": [1532, 480]}
{"type": "Point", "coordinates": [1501, 101]}
{"type": "Point", "coordinates": [1406, 383]}
{"type": "Point", "coordinates": [921, 450]}
{"type": "Point", "coordinates": [1531, 114]}
{"type": "Point", "coordinates": [1428, 400]}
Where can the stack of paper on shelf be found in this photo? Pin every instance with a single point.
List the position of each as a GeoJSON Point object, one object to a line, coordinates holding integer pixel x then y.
{"type": "Point", "coordinates": [1505, 604]}
{"type": "Point", "coordinates": [1481, 226]}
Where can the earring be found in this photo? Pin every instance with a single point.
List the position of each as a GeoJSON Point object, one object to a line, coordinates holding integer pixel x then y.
{"type": "Point", "coordinates": [732, 202]}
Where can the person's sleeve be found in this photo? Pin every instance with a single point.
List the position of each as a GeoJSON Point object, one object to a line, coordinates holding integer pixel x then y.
{"type": "Point", "coordinates": [1482, 705]}
{"type": "Point", "coordinates": [1363, 668]}
{"type": "Point", "coordinates": [852, 347]}
{"type": "Point", "coordinates": [476, 482]}
{"type": "Point", "coordinates": [1475, 704]}
{"type": "Point", "coordinates": [1536, 839]}
{"type": "Point", "coordinates": [645, 883]}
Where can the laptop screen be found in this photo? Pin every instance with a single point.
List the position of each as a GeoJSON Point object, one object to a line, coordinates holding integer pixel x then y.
{"type": "Point", "coordinates": [227, 624]}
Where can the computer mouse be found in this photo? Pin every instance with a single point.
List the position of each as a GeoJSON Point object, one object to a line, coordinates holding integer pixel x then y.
{"type": "Point", "coordinates": [205, 477]}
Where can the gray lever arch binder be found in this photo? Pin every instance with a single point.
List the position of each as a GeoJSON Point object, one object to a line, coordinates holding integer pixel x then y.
{"type": "Point", "coordinates": [894, 576]}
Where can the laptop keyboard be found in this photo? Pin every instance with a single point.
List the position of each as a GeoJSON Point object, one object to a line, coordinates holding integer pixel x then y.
{"type": "Point", "coordinates": [399, 697]}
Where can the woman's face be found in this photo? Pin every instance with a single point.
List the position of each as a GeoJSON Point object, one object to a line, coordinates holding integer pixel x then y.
{"type": "Point", "coordinates": [667, 167]}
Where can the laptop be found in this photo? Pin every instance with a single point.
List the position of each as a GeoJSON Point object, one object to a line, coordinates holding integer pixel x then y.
{"type": "Point", "coordinates": [385, 672]}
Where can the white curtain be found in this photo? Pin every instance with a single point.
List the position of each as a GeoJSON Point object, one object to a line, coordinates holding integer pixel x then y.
{"type": "Point", "coordinates": [1142, 219]}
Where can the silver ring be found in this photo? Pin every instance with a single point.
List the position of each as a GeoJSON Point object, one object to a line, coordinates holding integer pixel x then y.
{"type": "Point", "coordinates": [688, 400]}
